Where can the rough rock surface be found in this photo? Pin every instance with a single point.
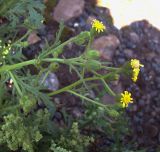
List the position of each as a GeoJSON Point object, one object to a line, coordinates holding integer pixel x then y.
{"type": "Point", "coordinates": [67, 9]}
{"type": "Point", "coordinates": [144, 114]}
{"type": "Point", "coordinates": [33, 38]}
{"type": "Point", "coordinates": [106, 45]}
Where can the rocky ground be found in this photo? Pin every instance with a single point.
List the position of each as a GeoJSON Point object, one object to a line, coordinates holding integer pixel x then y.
{"type": "Point", "coordinates": [139, 40]}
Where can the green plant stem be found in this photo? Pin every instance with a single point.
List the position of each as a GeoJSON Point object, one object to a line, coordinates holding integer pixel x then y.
{"type": "Point", "coordinates": [15, 83]}
{"type": "Point", "coordinates": [17, 66]}
{"type": "Point", "coordinates": [56, 50]}
{"type": "Point", "coordinates": [23, 37]}
{"type": "Point", "coordinates": [58, 35]}
{"type": "Point", "coordinates": [69, 87]}
{"type": "Point", "coordinates": [29, 62]}
{"type": "Point", "coordinates": [110, 68]}
{"type": "Point", "coordinates": [45, 76]}
{"type": "Point", "coordinates": [34, 61]}
{"type": "Point", "coordinates": [85, 98]}
{"type": "Point", "coordinates": [107, 88]}
{"type": "Point", "coordinates": [92, 34]}
{"type": "Point", "coordinates": [73, 85]}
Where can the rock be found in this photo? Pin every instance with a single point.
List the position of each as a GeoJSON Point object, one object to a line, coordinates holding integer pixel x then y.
{"type": "Point", "coordinates": [110, 42]}
{"type": "Point", "coordinates": [50, 82]}
{"type": "Point", "coordinates": [117, 86]}
{"type": "Point", "coordinates": [129, 53]}
{"type": "Point", "coordinates": [58, 115]}
{"type": "Point", "coordinates": [33, 38]}
{"type": "Point", "coordinates": [67, 9]}
{"type": "Point", "coordinates": [106, 45]}
{"type": "Point", "coordinates": [77, 112]}
{"type": "Point", "coordinates": [108, 99]}
{"type": "Point", "coordinates": [141, 102]}
{"type": "Point", "coordinates": [90, 20]}
{"type": "Point", "coordinates": [134, 37]}
{"type": "Point", "coordinates": [152, 130]}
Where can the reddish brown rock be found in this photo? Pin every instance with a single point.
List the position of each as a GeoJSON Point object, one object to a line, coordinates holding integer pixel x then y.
{"type": "Point", "coordinates": [106, 45]}
{"type": "Point", "coordinates": [33, 38]}
{"type": "Point", "coordinates": [67, 9]}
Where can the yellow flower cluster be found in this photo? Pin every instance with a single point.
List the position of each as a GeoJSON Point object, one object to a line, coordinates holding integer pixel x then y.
{"type": "Point", "coordinates": [98, 26]}
{"type": "Point", "coordinates": [126, 99]}
{"type": "Point", "coordinates": [135, 64]}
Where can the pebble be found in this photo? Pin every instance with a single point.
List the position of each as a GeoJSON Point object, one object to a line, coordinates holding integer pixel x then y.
{"type": "Point", "coordinates": [51, 82]}
{"type": "Point", "coordinates": [58, 116]}
{"type": "Point", "coordinates": [134, 37]}
{"type": "Point", "coordinates": [33, 38]}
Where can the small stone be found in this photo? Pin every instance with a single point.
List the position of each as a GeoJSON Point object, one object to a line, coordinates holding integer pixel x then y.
{"type": "Point", "coordinates": [153, 113]}
{"type": "Point", "coordinates": [134, 37]}
{"type": "Point", "coordinates": [33, 38]}
{"type": "Point", "coordinates": [152, 130]}
{"type": "Point", "coordinates": [110, 42]}
{"type": "Point", "coordinates": [76, 25]}
{"type": "Point", "coordinates": [141, 102]}
{"type": "Point", "coordinates": [136, 119]}
{"type": "Point", "coordinates": [106, 45]}
{"type": "Point", "coordinates": [67, 9]}
{"type": "Point", "coordinates": [58, 115]}
{"type": "Point", "coordinates": [77, 112]}
{"type": "Point", "coordinates": [129, 53]}
{"type": "Point", "coordinates": [51, 81]}
{"type": "Point", "coordinates": [151, 120]}
{"type": "Point", "coordinates": [121, 60]}
{"type": "Point", "coordinates": [135, 108]}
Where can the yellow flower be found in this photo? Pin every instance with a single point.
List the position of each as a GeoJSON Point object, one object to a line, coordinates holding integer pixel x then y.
{"type": "Point", "coordinates": [135, 74]}
{"type": "Point", "coordinates": [126, 98]}
{"type": "Point", "coordinates": [135, 64]}
{"type": "Point", "coordinates": [99, 26]}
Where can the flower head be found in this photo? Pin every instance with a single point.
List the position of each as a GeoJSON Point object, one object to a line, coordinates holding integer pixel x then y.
{"type": "Point", "coordinates": [99, 26]}
{"type": "Point", "coordinates": [126, 99]}
{"type": "Point", "coordinates": [135, 74]}
{"type": "Point", "coordinates": [135, 64]}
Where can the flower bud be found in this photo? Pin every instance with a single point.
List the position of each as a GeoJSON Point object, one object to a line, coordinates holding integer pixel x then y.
{"type": "Point", "coordinates": [54, 67]}
{"type": "Point", "coordinates": [93, 65]}
{"type": "Point", "coordinates": [93, 54]}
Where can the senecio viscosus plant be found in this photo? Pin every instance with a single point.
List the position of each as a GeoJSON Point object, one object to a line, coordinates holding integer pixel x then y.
{"type": "Point", "coordinates": [22, 118]}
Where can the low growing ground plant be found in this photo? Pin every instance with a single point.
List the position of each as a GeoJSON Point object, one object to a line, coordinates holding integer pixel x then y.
{"type": "Point", "coordinates": [26, 104]}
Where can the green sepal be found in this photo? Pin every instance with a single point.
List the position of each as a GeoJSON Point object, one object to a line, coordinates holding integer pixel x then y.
{"type": "Point", "coordinates": [92, 54]}
{"type": "Point", "coordinates": [93, 65]}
